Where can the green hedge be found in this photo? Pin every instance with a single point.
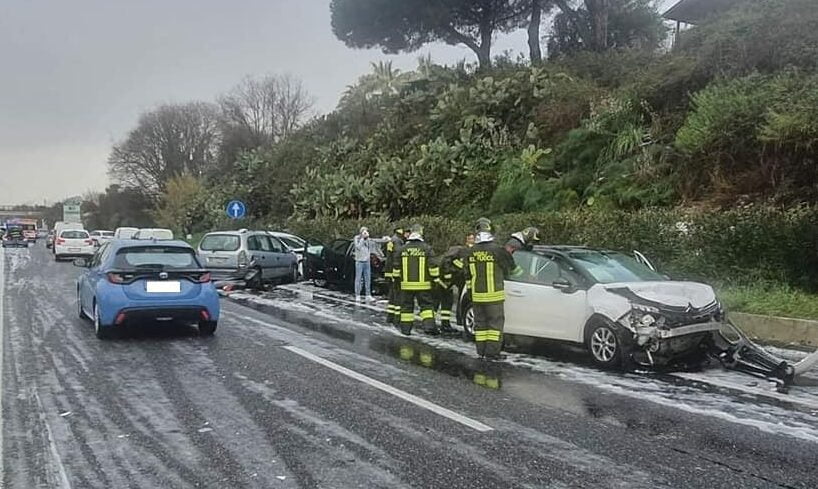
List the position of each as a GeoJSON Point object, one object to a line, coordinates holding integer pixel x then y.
{"type": "Point", "coordinates": [742, 246]}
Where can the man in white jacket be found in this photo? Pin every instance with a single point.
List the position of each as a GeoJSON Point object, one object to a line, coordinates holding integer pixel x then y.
{"type": "Point", "coordinates": [365, 247]}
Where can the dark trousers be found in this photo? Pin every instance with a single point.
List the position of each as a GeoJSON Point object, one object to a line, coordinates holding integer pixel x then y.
{"type": "Point", "coordinates": [393, 307]}
{"type": "Point", "coordinates": [424, 300]}
{"type": "Point", "coordinates": [444, 299]}
{"type": "Point", "coordinates": [489, 320]}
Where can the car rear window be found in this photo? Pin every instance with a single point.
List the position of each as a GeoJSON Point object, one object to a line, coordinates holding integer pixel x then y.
{"type": "Point", "coordinates": [107, 234]}
{"type": "Point", "coordinates": [165, 257]}
{"type": "Point", "coordinates": [74, 235]}
{"type": "Point", "coordinates": [220, 242]}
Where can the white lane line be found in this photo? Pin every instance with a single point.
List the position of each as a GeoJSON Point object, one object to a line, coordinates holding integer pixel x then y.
{"type": "Point", "coordinates": [2, 337]}
{"type": "Point", "coordinates": [61, 475]}
{"type": "Point", "coordinates": [440, 410]}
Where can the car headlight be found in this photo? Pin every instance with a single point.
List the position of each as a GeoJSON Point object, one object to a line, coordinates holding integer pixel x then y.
{"type": "Point", "coordinates": [643, 319]}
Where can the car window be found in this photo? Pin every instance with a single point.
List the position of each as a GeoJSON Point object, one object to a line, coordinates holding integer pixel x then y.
{"type": "Point", "coordinates": [258, 242]}
{"type": "Point", "coordinates": [611, 267]}
{"type": "Point", "coordinates": [165, 257]}
{"type": "Point", "coordinates": [543, 269]}
{"type": "Point", "coordinates": [340, 246]}
{"type": "Point", "coordinates": [291, 242]}
{"type": "Point", "coordinates": [275, 244]}
{"type": "Point", "coordinates": [220, 242]}
{"type": "Point", "coordinates": [97, 259]}
{"type": "Point", "coordinates": [107, 234]}
{"type": "Point", "coordinates": [74, 235]}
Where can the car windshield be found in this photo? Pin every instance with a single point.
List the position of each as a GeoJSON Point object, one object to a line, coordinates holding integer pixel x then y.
{"type": "Point", "coordinates": [74, 235]}
{"type": "Point", "coordinates": [106, 234]}
{"type": "Point", "coordinates": [165, 257]}
{"type": "Point", "coordinates": [220, 242]}
{"type": "Point", "coordinates": [611, 267]}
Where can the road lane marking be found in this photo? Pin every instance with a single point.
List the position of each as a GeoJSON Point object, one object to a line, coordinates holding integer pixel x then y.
{"type": "Point", "coordinates": [435, 408]}
{"type": "Point", "coordinates": [61, 475]}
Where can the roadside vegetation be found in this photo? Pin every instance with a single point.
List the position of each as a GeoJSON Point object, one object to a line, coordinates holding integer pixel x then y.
{"type": "Point", "coordinates": [701, 156]}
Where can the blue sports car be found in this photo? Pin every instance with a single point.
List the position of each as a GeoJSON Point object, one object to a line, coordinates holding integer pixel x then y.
{"type": "Point", "coordinates": [130, 281]}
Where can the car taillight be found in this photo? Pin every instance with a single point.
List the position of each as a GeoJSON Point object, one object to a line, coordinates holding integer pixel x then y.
{"type": "Point", "coordinates": [89, 241]}
{"type": "Point", "coordinates": [60, 241]}
{"type": "Point", "coordinates": [242, 259]}
{"type": "Point", "coordinates": [116, 278]}
{"type": "Point", "coordinates": [204, 278]}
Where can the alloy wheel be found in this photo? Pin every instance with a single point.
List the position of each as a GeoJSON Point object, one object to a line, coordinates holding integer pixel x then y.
{"type": "Point", "coordinates": [603, 344]}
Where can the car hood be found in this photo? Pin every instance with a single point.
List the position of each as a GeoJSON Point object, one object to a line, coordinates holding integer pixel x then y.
{"type": "Point", "coordinates": [616, 300]}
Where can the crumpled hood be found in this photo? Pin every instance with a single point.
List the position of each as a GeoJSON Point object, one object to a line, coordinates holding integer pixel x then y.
{"type": "Point", "coordinates": [667, 293]}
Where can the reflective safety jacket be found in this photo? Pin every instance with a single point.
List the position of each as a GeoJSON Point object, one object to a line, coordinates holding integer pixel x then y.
{"type": "Point", "coordinates": [453, 265]}
{"type": "Point", "coordinates": [488, 265]}
{"type": "Point", "coordinates": [416, 267]}
{"type": "Point", "coordinates": [393, 246]}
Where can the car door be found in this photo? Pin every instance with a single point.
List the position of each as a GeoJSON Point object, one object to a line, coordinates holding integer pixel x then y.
{"type": "Point", "coordinates": [280, 257]}
{"type": "Point", "coordinates": [536, 307]}
{"type": "Point", "coordinates": [259, 254]}
{"type": "Point", "coordinates": [92, 276]}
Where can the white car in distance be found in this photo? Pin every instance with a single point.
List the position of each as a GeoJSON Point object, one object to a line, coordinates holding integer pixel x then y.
{"type": "Point", "coordinates": [73, 243]}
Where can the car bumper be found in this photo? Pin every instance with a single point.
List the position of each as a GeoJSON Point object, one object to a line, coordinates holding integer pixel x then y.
{"type": "Point", "coordinates": [15, 244]}
{"type": "Point", "coordinates": [185, 314]}
{"type": "Point", "coordinates": [64, 251]}
{"type": "Point", "coordinates": [227, 274]}
{"type": "Point", "coordinates": [113, 301]}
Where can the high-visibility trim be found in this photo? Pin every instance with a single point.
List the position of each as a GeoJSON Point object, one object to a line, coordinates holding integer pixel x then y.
{"type": "Point", "coordinates": [405, 261]}
{"type": "Point", "coordinates": [415, 286]}
{"type": "Point", "coordinates": [518, 270]}
{"type": "Point", "coordinates": [388, 275]}
{"type": "Point", "coordinates": [492, 383]}
{"type": "Point", "coordinates": [407, 317]}
{"type": "Point", "coordinates": [422, 269]}
{"type": "Point", "coordinates": [480, 336]}
{"type": "Point", "coordinates": [473, 274]}
{"type": "Point", "coordinates": [490, 288]}
{"type": "Point", "coordinates": [434, 271]}
{"type": "Point", "coordinates": [390, 246]}
{"type": "Point", "coordinates": [484, 297]}
{"type": "Point", "coordinates": [447, 276]}
{"type": "Point", "coordinates": [479, 379]}
{"type": "Point", "coordinates": [458, 263]}
{"type": "Point", "coordinates": [445, 315]}
{"type": "Point", "coordinates": [428, 314]}
{"type": "Point", "coordinates": [493, 335]}
{"type": "Point", "coordinates": [396, 273]}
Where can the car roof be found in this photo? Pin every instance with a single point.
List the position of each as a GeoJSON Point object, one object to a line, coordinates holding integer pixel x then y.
{"type": "Point", "coordinates": [562, 249]}
{"type": "Point", "coordinates": [137, 243]}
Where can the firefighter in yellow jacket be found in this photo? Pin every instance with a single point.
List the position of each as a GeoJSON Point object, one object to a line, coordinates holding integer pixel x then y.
{"type": "Point", "coordinates": [393, 247]}
{"type": "Point", "coordinates": [488, 265]}
{"type": "Point", "coordinates": [416, 270]}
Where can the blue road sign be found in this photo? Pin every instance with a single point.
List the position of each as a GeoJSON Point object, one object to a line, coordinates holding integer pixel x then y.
{"type": "Point", "coordinates": [236, 209]}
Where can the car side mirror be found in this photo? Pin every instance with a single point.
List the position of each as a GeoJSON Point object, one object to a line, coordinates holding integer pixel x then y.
{"type": "Point", "coordinates": [563, 285]}
{"type": "Point", "coordinates": [82, 263]}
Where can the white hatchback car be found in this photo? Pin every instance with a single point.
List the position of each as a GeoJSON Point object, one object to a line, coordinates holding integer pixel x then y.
{"type": "Point", "coordinates": [73, 243]}
{"type": "Point", "coordinates": [619, 308]}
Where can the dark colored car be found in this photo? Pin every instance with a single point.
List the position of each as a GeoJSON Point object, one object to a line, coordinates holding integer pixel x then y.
{"type": "Point", "coordinates": [14, 238]}
{"type": "Point", "coordinates": [334, 265]}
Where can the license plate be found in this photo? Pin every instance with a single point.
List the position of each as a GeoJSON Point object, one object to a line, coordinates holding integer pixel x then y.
{"type": "Point", "coordinates": [167, 287]}
{"type": "Point", "coordinates": [74, 250]}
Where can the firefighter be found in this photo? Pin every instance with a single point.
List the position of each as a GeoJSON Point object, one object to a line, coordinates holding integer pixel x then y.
{"type": "Point", "coordinates": [452, 277]}
{"type": "Point", "coordinates": [488, 264]}
{"type": "Point", "coordinates": [393, 247]}
{"type": "Point", "coordinates": [523, 240]}
{"type": "Point", "coordinates": [416, 271]}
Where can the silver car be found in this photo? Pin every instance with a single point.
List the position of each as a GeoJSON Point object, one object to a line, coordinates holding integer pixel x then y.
{"type": "Point", "coordinates": [252, 256]}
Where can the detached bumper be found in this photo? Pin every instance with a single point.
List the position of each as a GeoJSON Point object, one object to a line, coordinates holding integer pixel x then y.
{"type": "Point", "coordinates": [687, 330]}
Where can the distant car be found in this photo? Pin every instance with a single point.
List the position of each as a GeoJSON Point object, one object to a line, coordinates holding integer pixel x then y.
{"type": "Point", "coordinates": [125, 233]}
{"type": "Point", "coordinates": [251, 256]}
{"type": "Point", "coordinates": [42, 233]}
{"type": "Point", "coordinates": [128, 282]}
{"type": "Point", "coordinates": [73, 243]}
{"type": "Point", "coordinates": [334, 265]}
{"type": "Point", "coordinates": [154, 233]}
{"type": "Point", "coordinates": [100, 237]}
{"type": "Point", "coordinates": [296, 244]}
{"type": "Point", "coordinates": [13, 237]}
{"type": "Point", "coordinates": [618, 307]}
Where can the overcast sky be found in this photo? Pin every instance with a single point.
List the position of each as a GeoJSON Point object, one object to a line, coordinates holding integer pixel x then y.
{"type": "Point", "coordinates": [76, 74]}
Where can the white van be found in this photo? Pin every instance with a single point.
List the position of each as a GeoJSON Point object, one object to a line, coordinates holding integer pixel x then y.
{"type": "Point", "coordinates": [125, 233]}
{"type": "Point", "coordinates": [154, 233]}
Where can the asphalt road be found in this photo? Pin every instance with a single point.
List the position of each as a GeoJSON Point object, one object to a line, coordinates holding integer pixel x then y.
{"type": "Point", "coordinates": [295, 397]}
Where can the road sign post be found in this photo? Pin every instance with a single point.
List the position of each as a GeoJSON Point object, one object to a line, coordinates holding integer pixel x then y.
{"type": "Point", "coordinates": [236, 209]}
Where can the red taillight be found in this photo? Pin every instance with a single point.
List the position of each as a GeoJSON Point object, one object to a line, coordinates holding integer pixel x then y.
{"type": "Point", "coordinates": [116, 278]}
{"type": "Point", "coordinates": [120, 318]}
{"type": "Point", "coordinates": [89, 241]}
{"type": "Point", "coordinates": [60, 241]}
{"type": "Point", "coordinates": [204, 315]}
{"type": "Point", "coordinates": [204, 278]}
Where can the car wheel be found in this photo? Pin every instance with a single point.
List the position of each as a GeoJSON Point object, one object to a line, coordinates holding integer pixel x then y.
{"type": "Point", "coordinates": [468, 323]}
{"type": "Point", "coordinates": [100, 330]}
{"type": "Point", "coordinates": [605, 345]}
{"type": "Point", "coordinates": [293, 278]}
{"type": "Point", "coordinates": [207, 328]}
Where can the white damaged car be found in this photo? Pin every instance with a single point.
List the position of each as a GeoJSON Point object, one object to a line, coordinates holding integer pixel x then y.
{"type": "Point", "coordinates": [619, 307]}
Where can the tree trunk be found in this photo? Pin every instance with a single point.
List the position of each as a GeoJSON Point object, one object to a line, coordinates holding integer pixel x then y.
{"type": "Point", "coordinates": [535, 52]}
{"type": "Point", "coordinates": [598, 11]}
{"type": "Point", "coordinates": [484, 51]}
